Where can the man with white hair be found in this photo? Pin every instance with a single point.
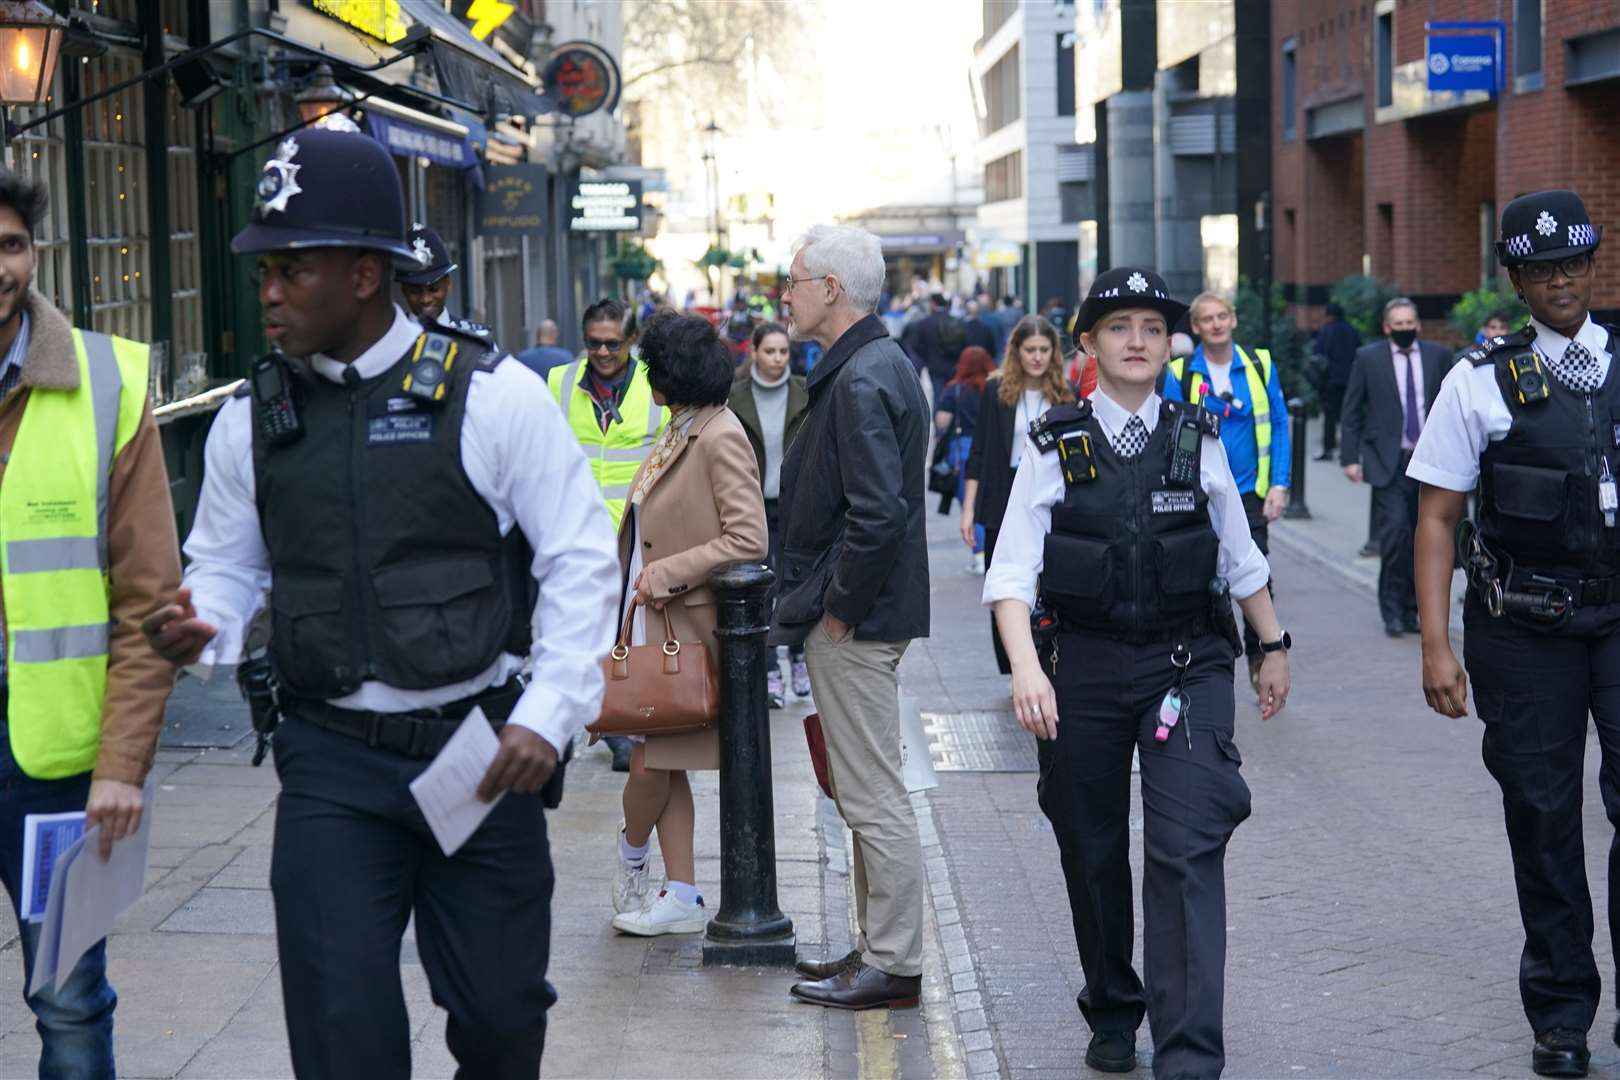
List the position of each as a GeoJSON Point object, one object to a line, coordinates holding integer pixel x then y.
{"type": "Point", "coordinates": [854, 590]}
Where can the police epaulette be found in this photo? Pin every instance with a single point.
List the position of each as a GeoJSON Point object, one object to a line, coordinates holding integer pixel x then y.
{"type": "Point", "coordinates": [1209, 421]}
{"type": "Point", "coordinates": [1055, 421]}
{"type": "Point", "coordinates": [1485, 352]}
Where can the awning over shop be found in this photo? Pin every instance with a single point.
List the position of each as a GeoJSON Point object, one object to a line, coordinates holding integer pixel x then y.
{"type": "Point", "coordinates": [470, 70]}
{"type": "Point", "coordinates": [411, 134]}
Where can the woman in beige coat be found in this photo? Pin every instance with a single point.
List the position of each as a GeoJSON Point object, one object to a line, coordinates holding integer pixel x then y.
{"type": "Point", "coordinates": [694, 504]}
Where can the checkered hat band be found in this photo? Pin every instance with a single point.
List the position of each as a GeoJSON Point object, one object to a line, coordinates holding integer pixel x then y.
{"type": "Point", "coordinates": [1520, 245]}
{"type": "Point", "coordinates": [1580, 235]}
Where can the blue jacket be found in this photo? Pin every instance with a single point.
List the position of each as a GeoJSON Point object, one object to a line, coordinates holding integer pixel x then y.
{"type": "Point", "coordinates": [1237, 420]}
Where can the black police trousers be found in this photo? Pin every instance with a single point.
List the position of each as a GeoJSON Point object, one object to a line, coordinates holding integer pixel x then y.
{"type": "Point", "coordinates": [1108, 695]}
{"type": "Point", "coordinates": [1533, 690]}
{"type": "Point", "coordinates": [353, 859]}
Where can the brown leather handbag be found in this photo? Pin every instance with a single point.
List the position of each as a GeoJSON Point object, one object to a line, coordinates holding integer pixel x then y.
{"type": "Point", "coordinates": [662, 689]}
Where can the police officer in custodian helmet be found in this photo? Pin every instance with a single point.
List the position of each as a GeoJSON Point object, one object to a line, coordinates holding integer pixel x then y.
{"type": "Point", "coordinates": [1533, 418]}
{"type": "Point", "coordinates": [404, 496]}
{"type": "Point", "coordinates": [1126, 536]}
{"type": "Point", "coordinates": [425, 282]}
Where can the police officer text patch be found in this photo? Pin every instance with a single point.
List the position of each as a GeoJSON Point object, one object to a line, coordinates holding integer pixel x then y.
{"type": "Point", "coordinates": [399, 428]}
{"type": "Point", "coordinates": [1174, 502]}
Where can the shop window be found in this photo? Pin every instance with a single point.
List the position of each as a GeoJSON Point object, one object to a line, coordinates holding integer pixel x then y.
{"type": "Point", "coordinates": [1289, 90]}
{"type": "Point", "coordinates": [1384, 54]}
{"type": "Point", "coordinates": [1527, 44]}
{"type": "Point", "coordinates": [1004, 178]}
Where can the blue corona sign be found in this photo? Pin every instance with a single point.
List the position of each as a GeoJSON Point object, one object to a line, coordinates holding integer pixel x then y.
{"type": "Point", "coordinates": [1464, 61]}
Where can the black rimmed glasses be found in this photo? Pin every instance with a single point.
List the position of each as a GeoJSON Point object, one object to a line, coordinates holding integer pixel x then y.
{"type": "Point", "coordinates": [1575, 266]}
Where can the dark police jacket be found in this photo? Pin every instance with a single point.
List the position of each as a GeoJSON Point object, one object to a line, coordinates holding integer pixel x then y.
{"type": "Point", "coordinates": [1129, 551]}
{"type": "Point", "coordinates": [386, 563]}
{"type": "Point", "coordinates": [1539, 485]}
{"type": "Point", "coordinates": [853, 540]}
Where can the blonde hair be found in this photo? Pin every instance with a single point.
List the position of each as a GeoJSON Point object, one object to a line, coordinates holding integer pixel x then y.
{"type": "Point", "coordinates": [1208, 297]}
{"type": "Point", "coordinates": [1054, 386]}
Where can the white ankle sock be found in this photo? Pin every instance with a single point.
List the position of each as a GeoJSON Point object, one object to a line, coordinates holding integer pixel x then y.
{"type": "Point", "coordinates": [680, 890]}
{"type": "Point", "coordinates": [633, 856]}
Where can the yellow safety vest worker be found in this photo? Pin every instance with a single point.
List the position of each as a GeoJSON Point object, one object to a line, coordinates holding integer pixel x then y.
{"type": "Point", "coordinates": [617, 452]}
{"type": "Point", "coordinates": [1259, 401]}
{"type": "Point", "coordinates": [53, 554]}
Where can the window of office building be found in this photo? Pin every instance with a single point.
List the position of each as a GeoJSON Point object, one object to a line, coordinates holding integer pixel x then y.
{"type": "Point", "coordinates": [1002, 92]}
{"type": "Point", "coordinates": [997, 12]}
{"type": "Point", "coordinates": [1289, 89]}
{"type": "Point", "coordinates": [1004, 178]}
{"type": "Point", "coordinates": [1384, 55]}
{"type": "Point", "coordinates": [1065, 74]}
{"type": "Point", "coordinates": [1218, 234]}
{"type": "Point", "coordinates": [1527, 44]}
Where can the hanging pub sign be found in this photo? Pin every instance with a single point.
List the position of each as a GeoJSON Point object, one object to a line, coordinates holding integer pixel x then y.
{"type": "Point", "coordinates": [605, 206]}
{"type": "Point", "coordinates": [583, 78]}
{"type": "Point", "coordinates": [513, 201]}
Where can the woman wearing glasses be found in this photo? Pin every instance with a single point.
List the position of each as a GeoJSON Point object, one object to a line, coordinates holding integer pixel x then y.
{"type": "Point", "coordinates": [1533, 418]}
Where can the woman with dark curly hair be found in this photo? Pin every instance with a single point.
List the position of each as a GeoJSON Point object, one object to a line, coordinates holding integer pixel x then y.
{"type": "Point", "coordinates": [695, 503]}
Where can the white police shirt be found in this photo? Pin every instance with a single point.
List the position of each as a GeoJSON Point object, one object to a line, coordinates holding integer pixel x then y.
{"type": "Point", "coordinates": [1469, 411]}
{"type": "Point", "coordinates": [1038, 486]}
{"type": "Point", "coordinates": [522, 459]}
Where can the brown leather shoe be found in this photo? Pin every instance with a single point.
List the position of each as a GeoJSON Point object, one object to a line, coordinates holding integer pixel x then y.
{"type": "Point", "coordinates": [862, 987]}
{"type": "Point", "coordinates": [826, 969]}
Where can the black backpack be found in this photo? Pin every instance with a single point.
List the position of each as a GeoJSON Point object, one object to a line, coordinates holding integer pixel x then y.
{"type": "Point", "coordinates": [952, 339]}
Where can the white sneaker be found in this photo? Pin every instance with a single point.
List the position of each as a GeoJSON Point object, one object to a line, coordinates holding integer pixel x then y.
{"type": "Point", "coordinates": [630, 885]}
{"type": "Point", "coordinates": [665, 915]}
{"type": "Point", "coordinates": [976, 566]}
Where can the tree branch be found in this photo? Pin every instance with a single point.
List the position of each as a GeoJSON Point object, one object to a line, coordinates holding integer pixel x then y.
{"type": "Point", "coordinates": [661, 68]}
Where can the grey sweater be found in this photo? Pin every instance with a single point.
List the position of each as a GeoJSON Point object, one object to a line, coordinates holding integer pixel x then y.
{"type": "Point", "coordinates": [771, 401]}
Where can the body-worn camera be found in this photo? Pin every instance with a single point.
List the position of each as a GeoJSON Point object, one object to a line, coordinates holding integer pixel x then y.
{"type": "Point", "coordinates": [1528, 379]}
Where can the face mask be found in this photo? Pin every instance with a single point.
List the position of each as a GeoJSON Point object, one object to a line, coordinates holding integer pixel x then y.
{"type": "Point", "coordinates": [1403, 338]}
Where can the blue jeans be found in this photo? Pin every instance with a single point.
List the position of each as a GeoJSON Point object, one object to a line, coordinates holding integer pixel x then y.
{"type": "Point", "coordinates": [961, 447]}
{"type": "Point", "coordinates": [75, 1017]}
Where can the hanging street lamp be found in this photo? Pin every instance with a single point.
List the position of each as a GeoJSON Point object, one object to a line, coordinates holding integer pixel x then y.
{"type": "Point", "coordinates": [30, 39]}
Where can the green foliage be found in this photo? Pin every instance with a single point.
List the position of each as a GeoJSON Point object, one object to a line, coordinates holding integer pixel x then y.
{"type": "Point", "coordinates": [634, 263]}
{"type": "Point", "coordinates": [1260, 328]}
{"type": "Point", "coordinates": [1363, 299]}
{"type": "Point", "coordinates": [715, 256]}
{"type": "Point", "coordinates": [1470, 313]}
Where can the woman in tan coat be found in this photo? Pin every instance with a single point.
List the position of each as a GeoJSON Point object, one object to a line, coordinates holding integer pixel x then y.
{"type": "Point", "coordinates": [694, 504]}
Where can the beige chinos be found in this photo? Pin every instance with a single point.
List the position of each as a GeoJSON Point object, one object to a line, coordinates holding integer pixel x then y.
{"type": "Point", "coordinates": [856, 689]}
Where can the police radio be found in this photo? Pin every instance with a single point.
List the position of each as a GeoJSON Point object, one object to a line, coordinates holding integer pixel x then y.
{"type": "Point", "coordinates": [273, 400]}
{"type": "Point", "coordinates": [1184, 446]}
{"type": "Point", "coordinates": [1528, 381]}
{"type": "Point", "coordinates": [430, 367]}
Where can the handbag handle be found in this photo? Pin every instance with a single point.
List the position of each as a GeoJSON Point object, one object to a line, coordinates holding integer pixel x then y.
{"type": "Point", "coordinates": [621, 647]}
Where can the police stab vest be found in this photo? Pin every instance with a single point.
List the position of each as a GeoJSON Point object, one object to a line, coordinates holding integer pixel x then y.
{"type": "Point", "coordinates": [1128, 551]}
{"type": "Point", "coordinates": [53, 560]}
{"type": "Point", "coordinates": [1195, 387]}
{"type": "Point", "coordinates": [386, 564]}
{"type": "Point", "coordinates": [614, 454]}
{"type": "Point", "coordinates": [1539, 485]}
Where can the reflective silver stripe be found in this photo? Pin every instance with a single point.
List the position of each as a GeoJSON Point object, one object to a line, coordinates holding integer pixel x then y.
{"type": "Point", "coordinates": [63, 643]}
{"type": "Point", "coordinates": [106, 386]}
{"type": "Point", "coordinates": [633, 453]}
{"type": "Point", "coordinates": [617, 491]}
{"type": "Point", "coordinates": [1262, 418]}
{"type": "Point", "coordinates": [654, 414]}
{"type": "Point", "coordinates": [63, 553]}
{"type": "Point", "coordinates": [570, 383]}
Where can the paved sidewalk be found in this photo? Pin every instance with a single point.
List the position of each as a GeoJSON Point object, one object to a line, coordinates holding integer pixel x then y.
{"type": "Point", "coordinates": [195, 963]}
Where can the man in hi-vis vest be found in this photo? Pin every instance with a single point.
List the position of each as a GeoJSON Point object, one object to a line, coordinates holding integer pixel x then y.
{"type": "Point", "coordinates": [1245, 391]}
{"type": "Point", "coordinates": [87, 548]}
{"type": "Point", "coordinates": [608, 403]}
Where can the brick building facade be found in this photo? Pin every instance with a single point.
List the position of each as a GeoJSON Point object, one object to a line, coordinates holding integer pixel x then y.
{"type": "Point", "coordinates": [1372, 173]}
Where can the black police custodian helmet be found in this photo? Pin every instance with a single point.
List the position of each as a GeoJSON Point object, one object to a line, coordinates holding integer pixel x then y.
{"type": "Point", "coordinates": [324, 188]}
{"type": "Point", "coordinates": [430, 259]}
{"type": "Point", "coordinates": [1127, 287]}
{"type": "Point", "coordinates": [1546, 225]}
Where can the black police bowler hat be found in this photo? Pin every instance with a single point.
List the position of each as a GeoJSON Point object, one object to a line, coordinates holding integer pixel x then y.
{"type": "Point", "coordinates": [1546, 225]}
{"type": "Point", "coordinates": [327, 188]}
{"type": "Point", "coordinates": [1127, 287]}
{"type": "Point", "coordinates": [430, 259]}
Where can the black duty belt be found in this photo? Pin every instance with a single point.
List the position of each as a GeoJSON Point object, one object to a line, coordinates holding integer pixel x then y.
{"type": "Point", "coordinates": [420, 733]}
{"type": "Point", "coordinates": [1187, 630]}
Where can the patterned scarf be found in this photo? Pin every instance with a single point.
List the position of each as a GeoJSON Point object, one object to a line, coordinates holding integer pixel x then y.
{"type": "Point", "coordinates": [663, 451]}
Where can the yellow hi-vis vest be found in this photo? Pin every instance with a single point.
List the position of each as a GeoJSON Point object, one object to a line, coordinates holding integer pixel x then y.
{"type": "Point", "coordinates": [616, 453]}
{"type": "Point", "coordinates": [1259, 401]}
{"type": "Point", "coordinates": [53, 554]}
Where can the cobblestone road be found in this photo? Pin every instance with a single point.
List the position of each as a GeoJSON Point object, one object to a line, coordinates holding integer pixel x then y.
{"type": "Point", "coordinates": [1372, 925]}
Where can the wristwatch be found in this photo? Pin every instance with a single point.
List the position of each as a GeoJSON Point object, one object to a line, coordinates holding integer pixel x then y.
{"type": "Point", "coordinates": [1282, 644]}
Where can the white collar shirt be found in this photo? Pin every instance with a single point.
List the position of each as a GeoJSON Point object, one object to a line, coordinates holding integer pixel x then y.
{"type": "Point", "coordinates": [1409, 358]}
{"type": "Point", "coordinates": [521, 458]}
{"type": "Point", "coordinates": [1469, 412]}
{"type": "Point", "coordinates": [1038, 485]}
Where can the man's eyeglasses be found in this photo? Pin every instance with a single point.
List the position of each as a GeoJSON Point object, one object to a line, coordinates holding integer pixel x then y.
{"type": "Point", "coordinates": [596, 345]}
{"type": "Point", "coordinates": [1576, 266]}
{"type": "Point", "coordinates": [792, 281]}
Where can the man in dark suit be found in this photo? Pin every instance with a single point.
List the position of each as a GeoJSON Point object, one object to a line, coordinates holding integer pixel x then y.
{"type": "Point", "coordinates": [1338, 341]}
{"type": "Point", "coordinates": [1392, 385]}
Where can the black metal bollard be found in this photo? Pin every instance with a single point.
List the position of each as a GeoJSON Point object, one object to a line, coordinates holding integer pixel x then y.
{"type": "Point", "coordinates": [1297, 428]}
{"type": "Point", "coordinates": [749, 928]}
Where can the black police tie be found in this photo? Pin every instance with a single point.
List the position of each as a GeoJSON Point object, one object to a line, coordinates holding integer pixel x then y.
{"type": "Point", "coordinates": [1578, 369]}
{"type": "Point", "coordinates": [1131, 439]}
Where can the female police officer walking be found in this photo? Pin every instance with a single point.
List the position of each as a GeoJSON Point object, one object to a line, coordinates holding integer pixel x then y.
{"type": "Point", "coordinates": [1534, 418]}
{"type": "Point", "coordinates": [1123, 516]}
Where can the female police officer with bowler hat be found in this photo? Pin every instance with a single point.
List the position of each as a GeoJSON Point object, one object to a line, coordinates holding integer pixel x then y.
{"type": "Point", "coordinates": [403, 495]}
{"type": "Point", "coordinates": [1123, 516]}
{"type": "Point", "coordinates": [1533, 418]}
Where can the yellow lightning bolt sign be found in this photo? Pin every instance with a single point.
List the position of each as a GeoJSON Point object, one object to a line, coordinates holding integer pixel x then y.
{"type": "Point", "coordinates": [486, 15]}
